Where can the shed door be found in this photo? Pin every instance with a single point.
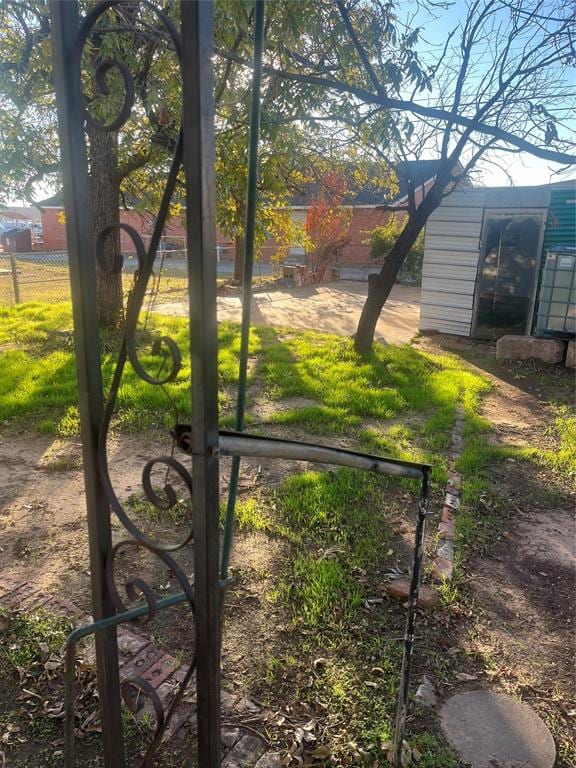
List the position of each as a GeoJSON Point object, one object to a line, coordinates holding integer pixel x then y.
{"type": "Point", "coordinates": [507, 274]}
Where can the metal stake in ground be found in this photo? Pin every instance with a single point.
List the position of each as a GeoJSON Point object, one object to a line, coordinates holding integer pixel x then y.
{"type": "Point", "coordinates": [410, 620]}
{"type": "Point", "coordinates": [251, 199]}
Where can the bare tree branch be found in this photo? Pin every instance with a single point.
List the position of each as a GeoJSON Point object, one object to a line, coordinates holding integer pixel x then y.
{"type": "Point", "coordinates": [388, 102]}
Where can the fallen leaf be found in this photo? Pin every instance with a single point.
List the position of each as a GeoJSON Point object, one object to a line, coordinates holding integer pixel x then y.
{"type": "Point", "coordinates": [465, 677]}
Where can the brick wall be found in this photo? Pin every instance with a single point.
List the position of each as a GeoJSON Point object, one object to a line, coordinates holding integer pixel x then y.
{"type": "Point", "coordinates": [55, 231]}
{"type": "Point", "coordinates": [356, 252]}
{"type": "Point", "coordinates": [364, 220]}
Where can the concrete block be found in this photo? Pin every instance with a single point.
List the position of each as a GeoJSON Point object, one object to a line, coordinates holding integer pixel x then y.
{"type": "Point", "coordinates": [445, 550]}
{"type": "Point", "coordinates": [528, 347]}
{"type": "Point", "coordinates": [271, 760]}
{"type": "Point", "coordinates": [246, 752]}
{"type": "Point", "coordinates": [570, 361]}
{"type": "Point", "coordinates": [492, 729]}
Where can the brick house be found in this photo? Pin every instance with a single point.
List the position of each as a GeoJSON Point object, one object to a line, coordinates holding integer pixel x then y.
{"type": "Point", "coordinates": [366, 215]}
{"type": "Point", "coordinates": [367, 211]}
{"type": "Point", "coordinates": [54, 227]}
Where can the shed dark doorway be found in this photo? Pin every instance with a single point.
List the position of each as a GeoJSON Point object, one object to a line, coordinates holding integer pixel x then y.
{"type": "Point", "coordinates": [507, 273]}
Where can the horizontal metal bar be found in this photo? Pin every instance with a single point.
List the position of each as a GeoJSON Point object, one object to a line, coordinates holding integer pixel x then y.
{"type": "Point", "coordinates": [243, 444]}
{"type": "Point", "coordinates": [70, 660]}
{"type": "Point", "coordinates": [120, 618]}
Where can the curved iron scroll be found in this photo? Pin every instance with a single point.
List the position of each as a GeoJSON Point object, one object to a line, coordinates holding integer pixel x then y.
{"type": "Point", "coordinates": [90, 57]}
{"type": "Point", "coordinates": [135, 586]}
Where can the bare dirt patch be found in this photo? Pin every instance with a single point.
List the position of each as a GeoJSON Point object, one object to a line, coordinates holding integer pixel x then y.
{"type": "Point", "coordinates": [524, 613]}
{"type": "Point", "coordinates": [517, 635]}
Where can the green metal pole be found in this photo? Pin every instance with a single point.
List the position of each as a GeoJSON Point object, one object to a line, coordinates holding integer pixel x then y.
{"type": "Point", "coordinates": [251, 198]}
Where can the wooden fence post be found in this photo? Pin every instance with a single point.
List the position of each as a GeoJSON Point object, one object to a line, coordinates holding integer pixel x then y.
{"type": "Point", "coordinates": [15, 284]}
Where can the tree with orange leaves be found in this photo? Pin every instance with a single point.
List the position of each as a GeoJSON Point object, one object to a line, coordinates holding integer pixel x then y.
{"type": "Point", "coordinates": [328, 222]}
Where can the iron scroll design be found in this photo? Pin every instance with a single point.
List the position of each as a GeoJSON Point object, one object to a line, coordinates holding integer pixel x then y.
{"type": "Point", "coordinates": [201, 440]}
{"type": "Point", "coordinates": [135, 688]}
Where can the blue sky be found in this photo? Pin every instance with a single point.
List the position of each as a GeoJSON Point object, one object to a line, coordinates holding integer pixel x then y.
{"type": "Point", "coordinates": [520, 169]}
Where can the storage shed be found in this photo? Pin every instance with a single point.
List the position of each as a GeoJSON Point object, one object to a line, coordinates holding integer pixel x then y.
{"type": "Point", "coordinates": [501, 261]}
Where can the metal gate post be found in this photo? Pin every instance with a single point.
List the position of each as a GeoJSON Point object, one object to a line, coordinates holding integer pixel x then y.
{"type": "Point", "coordinates": [198, 132]}
{"type": "Point", "coordinates": [82, 262]}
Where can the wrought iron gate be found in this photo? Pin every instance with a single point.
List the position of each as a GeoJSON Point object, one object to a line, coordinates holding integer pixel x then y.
{"type": "Point", "coordinates": [199, 440]}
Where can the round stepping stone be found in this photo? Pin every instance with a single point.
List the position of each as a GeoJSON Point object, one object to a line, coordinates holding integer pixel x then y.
{"type": "Point", "coordinates": [491, 730]}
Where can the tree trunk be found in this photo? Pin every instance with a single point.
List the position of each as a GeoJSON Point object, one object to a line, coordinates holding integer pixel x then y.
{"type": "Point", "coordinates": [380, 285]}
{"type": "Point", "coordinates": [105, 191]}
{"type": "Point", "coordinates": [239, 245]}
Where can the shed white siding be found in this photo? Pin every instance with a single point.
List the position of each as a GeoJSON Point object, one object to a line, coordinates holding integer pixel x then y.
{"type": "Point", "coordinates": [451, 252]}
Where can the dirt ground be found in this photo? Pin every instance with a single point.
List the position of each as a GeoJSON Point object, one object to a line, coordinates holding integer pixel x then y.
{"type": "Point", "coordinates": [523, 587]}
{"type": "Point", "coordinates": [513, 631]}
{"type": "Point", "coordinates": [333, 308]}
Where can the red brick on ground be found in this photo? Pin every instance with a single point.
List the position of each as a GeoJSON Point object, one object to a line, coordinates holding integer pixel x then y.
{"type": "Point", "coordinates": [400, 589]}
{"type": "Point", "coordinates": [442, 569]}
{"type": "Point", "coordinates": [447, 530]}
{"type": "Point", "coordinates": [447, 515]}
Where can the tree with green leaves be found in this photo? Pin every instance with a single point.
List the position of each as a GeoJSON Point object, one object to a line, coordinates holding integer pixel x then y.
{"type": "Point", "coordinates": [382, 239]}
{"type": "Point", "coordinates": [501, 82]}
{"type": "Point", "coordinates": [284, 165]}
{"type": "Point", "coordinates": [131, 164]}
{"type": "Point", "coordinates": [132, 161]}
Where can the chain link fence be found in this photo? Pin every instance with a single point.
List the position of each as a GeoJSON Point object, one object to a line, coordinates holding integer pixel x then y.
{"type": "Point", "coordinates": [34, 277]}
{"type": "Point", "coordinates": [44, 276]}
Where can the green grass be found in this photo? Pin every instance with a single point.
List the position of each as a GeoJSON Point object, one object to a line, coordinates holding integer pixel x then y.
{"type": "Point", "coordinates": [28, 639]}
{"type": "Point", "coordinates": [434, 755]}
{"type": "Point", "coordinates": [337, 526]}
{"type": "Point", "coordinates": [400, 402]}
{"type": "Point", "coordinates": [38, 381]}
{"type": "Point", "coordinates": [394, 380]}
{"type": "Point", "coordinates": [251, 515]}
{"type": "Point", "coordinates": [337, 509]}
{"type": "Point", "coordinates": [325, 592]}
{"type": "Point", "coordinates": [38, 375]}
{"type": "Point", "coordinates": [317, 419]}
{"type": "Point", "coordinates": [141, 506]}
{"type": "Point", "coordinates": [564, 459]}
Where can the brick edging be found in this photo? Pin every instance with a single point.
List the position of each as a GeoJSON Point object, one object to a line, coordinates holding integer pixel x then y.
{"type": "Point", "coordinates": [241, 747]}
{"type": "Point", "coordinates": [443, 566]}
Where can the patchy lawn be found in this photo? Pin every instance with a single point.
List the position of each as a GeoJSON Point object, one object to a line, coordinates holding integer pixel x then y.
{"type": "Point", "coordinates": [310, 630]}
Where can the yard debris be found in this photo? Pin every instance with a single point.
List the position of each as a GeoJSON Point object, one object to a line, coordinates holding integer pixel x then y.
{"type": "Point", "coordinates": [426, 693]}
{"type": "Point", "coordinates": [410, 755]}
{"type": "Point", "coordinates": [464, 677]}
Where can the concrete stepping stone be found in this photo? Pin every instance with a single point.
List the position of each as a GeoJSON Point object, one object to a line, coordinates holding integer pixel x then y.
{"type": "Point", "coordinates": [492, 730]}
